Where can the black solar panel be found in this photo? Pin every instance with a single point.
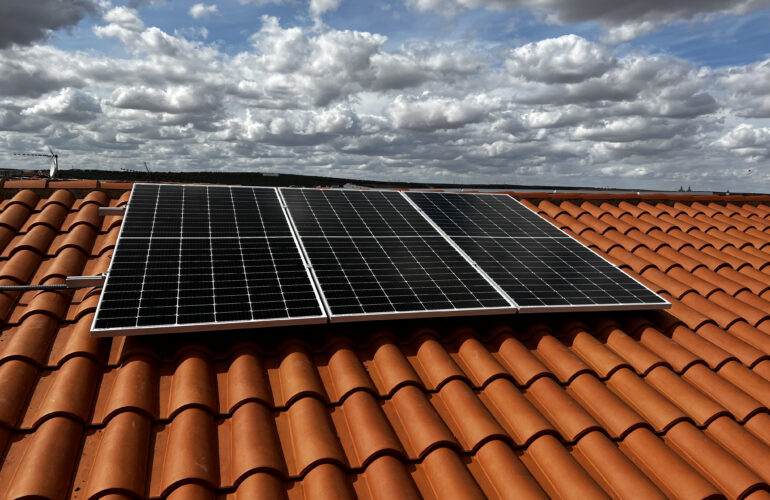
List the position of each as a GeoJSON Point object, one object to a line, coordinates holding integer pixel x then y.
{"type": "Point", "coordinates": [340, 212]}
{"type": "Point", "coordinates": [374, 254]}
{"type": "Point", "coordinates": [205, 257]}
{"type": "Point", "coordinates": [474, 215]}
{"type": "Point", "coordinates": [539, 266]}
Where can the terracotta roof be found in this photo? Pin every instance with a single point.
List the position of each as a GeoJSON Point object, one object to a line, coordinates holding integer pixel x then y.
{"type": "Point", "coordinates": [645, 404]}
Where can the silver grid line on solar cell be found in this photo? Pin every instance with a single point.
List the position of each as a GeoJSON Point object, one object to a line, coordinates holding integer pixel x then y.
{"type": "Point", "coordinates": [495, 234]}
{"type": "Point", "coordinates": [334, 221]}
{"type": "Point", "coordinates": [286, 237]}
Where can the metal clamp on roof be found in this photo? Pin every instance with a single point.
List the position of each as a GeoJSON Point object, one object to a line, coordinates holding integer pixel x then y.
{"type": "Point", "coordinates": [114, 211]}
{"type": "Point", "coordinates": [85, 281]}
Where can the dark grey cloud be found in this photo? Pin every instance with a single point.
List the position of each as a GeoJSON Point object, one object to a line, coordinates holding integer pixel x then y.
{"type": "Point", "coordinates": [23, 22]}
{"type": "Point", "coordinates": [21, 77]}
{"type": "Point", "coordinates": [622, 20]}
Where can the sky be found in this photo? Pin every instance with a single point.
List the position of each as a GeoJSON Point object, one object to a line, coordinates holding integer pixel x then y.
{"type": "Point", "coordinates": [639, 94]}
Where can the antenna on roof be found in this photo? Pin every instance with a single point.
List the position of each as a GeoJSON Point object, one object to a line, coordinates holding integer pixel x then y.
{"type": "Point", "coordinates": [52, 156]}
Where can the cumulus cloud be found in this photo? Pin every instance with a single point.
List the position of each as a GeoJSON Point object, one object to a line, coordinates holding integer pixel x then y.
{"type": "Point", "coordinates": [320, 7]}
{"type": "Point", "coordinates": [628, 129]}
{"type": "Point", "coordinates": [752, 143]}
{"type": "Point", "coordinates": [200, 10]}
{"type": "Point", "coordinates": [125, 18]}
{"type": "Point", "coordinates": [23, 22]}
{"type": "Point", "coordinates": [69, 105]}
{"type": "Point", "coordinates": [622, 20]}
{"type": "Point", "coordinates": [174, 100]}
{"type": "Point", "coordinates": [296, 67]}
{"type": "Point", "coordinates": [567, 59]}
{"type": "Point", "coordinates": [748, 88]}
{"type": "Point", "coordinates": [20, 76]}
{"type": "Point", "coordinates": [428, 113]}
{"type": "Point", "coordinates": [645, 85]}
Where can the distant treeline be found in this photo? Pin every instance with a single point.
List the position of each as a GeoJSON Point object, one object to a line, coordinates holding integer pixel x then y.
{"type": "Point", "coordinates": [262, 179]}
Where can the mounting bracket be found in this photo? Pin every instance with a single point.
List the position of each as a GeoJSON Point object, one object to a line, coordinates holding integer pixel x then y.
{"type": "Point", "coordinates": [114, 211]}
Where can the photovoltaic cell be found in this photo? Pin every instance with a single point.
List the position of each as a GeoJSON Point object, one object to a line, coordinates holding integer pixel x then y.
{"type": "Point", "coordinates": [205, 257]}
{"type": "Point", "coordinates": [476, 215]}
{"type": "Point", "coordinates": [539, 266]}
{"type": "Point", "coordinates": [342, 212]}
{"type": "Point", "coordinates": [374, 254]}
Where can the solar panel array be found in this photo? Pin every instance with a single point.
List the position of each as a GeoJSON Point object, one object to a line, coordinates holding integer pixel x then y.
{"type": "Point", "coordinates": [192, 258]}
{"type": "Point", "coordinates": [205, 257]}
{"type": "Point", "coordinates": [373, 254]}
{"type": "Point", "coordinates": [539, 266]}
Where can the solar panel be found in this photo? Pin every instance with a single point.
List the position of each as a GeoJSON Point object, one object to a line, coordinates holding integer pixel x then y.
{"type": "Point", "coordinates": [191, 258]}
{"type": "Point", "coordinates": [539, 266]}
{"type": "Point", "coordinates": [374, 255]}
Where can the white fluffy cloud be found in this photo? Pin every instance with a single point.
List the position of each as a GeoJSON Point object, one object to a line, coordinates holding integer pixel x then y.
{"type": "Point", "coordinates": [125, 18]}
{"type": "Point", "coordinates": [320, 7]}
{"type": "Point", "coordinates": [69, 105]}
{"type": "Point", "coordinates": [174, 100]}
{"type": "Point", "coordinates": [427, 113]}
{"type": "Point", "coordinates": [567, 59]}
{"type": "Point", "coordinates": [200, 10]}
{"type": "Point", "coordinates": [752, 143]}
{"type": "Point", "coordinates": [748, 89]}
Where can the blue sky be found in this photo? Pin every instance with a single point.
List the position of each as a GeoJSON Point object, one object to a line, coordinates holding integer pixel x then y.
{"type": "Point", "coordinates": [643, 94]}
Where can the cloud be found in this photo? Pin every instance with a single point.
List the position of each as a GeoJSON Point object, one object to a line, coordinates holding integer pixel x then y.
{"type": "Point", "coordinates": [645, 85]}
{"type": "Point", "coordinates": [629, 129]}
{"type": "Point", "coordinates": [320, 7]}
{"type": "Point", "coordinates": [434, 113]}
{"type": "Point", "coordinates": [125, 18]}
{"type": "Point", "coordinates": [23, 77]}
{"type": "Point", "coordinates": [325, 101]}
{"type": "Point", "coordinates": [200, 10]}
{"type": "Point", "coordinates": [173, 100]}
{"type": "Point", "coordinates": [23, 22]}
{"type": "Point", "coordinates": [567, 59]}
{"type": "Point", "coordinates": [69, 105]}
{"type": "Point", "coordinates": [296, 67]}
{"type": "Point", "coordinates": [622, 20]}
{"type": "Point", "coordinates": [752, 143]}
{"type": "Point", "coordinates": [748, 88]}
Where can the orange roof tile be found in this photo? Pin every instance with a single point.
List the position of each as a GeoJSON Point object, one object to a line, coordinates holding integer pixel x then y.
{"type": "Point", "coordinates": [629, 404]}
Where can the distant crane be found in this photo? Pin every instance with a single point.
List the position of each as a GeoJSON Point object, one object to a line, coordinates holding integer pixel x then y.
{"type": "Point", "coordinates": [52, 156]}
{"type": "Point", "coordinates": [147, 168]}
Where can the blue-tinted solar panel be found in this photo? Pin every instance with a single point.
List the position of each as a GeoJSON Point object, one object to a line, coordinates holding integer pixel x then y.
{"type": "Point", "coordinates": [193, 258]}
{"type": "Point", "coordinates": [539, 266]}
{"type": "Point", "coordinates": [374, 255]}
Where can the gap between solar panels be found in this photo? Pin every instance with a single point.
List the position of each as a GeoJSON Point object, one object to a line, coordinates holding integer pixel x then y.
{"type": "Point", "coordinates": [195, 258]}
